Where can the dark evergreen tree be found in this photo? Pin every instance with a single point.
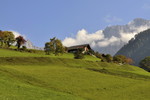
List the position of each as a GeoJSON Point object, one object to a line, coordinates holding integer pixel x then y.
{"type": "Point", "coordinates": [145, 63]}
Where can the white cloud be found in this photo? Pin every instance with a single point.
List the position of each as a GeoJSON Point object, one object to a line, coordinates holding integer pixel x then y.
{"type": "Point", "coordinates": [126, 36]}
{"type": "Point", "coordinates": [98, 39]}
{"type": "Point", "coordinates": [84, 37]}
{"type": "Point", "coordinates": [108, 41]}
{"type": "Point", "coordinates": [112, 19]}
{"type": "Point", "coordinates": [18, 34]}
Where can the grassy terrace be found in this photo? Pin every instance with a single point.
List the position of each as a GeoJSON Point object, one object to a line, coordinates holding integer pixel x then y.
{"type": "Point", "coordinates": [27, 76]}
{"type": "Point", "coordinates": [13, 53]}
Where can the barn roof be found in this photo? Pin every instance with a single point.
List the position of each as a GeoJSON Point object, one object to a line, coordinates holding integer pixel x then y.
{"type": "Point", "coordinates": [79, 46]}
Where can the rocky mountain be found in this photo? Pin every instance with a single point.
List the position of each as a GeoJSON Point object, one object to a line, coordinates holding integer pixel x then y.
{"type": "Point", "coordinates": [30, 45]}
{"type": "Point", "coordinates": [138, 47]}
{"type": "Point", "coordinates": [123, 33]}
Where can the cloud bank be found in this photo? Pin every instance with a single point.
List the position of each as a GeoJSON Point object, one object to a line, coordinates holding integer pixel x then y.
{"type": "Point", "coordinates": [99, 40]}
{"type": "Point", "coordinates": [83, 37]}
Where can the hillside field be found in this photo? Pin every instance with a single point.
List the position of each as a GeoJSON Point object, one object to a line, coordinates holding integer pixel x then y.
{"type": "Point", "coordinates": [13, 53]}
{"type": "Point", "coordinates": [28, 76]}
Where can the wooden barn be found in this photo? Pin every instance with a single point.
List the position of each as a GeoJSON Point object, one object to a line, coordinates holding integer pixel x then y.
{"type": "Point", "coordinates": [73, 49]}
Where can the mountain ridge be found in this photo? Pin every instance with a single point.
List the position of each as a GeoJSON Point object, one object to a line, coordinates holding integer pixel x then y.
{"type": "Point", "coordinates": [138, 47]}
{"type": "Point", "coordinates": [129, 30]}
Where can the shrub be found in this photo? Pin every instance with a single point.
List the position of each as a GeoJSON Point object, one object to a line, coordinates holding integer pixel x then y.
{"type": "Point", "coordinates": [122, 59]}
{"type": "Point", "coordinates": [24, 48]}
{"type": "Point", "coordinates": [79, 54]}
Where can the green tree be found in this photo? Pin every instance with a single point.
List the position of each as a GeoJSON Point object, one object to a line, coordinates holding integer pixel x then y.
{"type": "Point", "coordinates": [145, 63]}
{"type": "Point", "coordinates": [59, 49]}
{"type": "Point", "coordinates": [117, 59]}
{"type": "Point", "coordinates": [47, 48]}
{"type": "Point", "coordinates": [7, 38]}
{"type": "Point", "coordinates": [54, 46]}
{"type": "Point", "coordinates": [109, 58]}
{"type": "Point", "coordinates": [106, 58]}
{"type": "Point", "coordinates": [79, 54]}
{"type": "Point", "coordinates": [98, 55]}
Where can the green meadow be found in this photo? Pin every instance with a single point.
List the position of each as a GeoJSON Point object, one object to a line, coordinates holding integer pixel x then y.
{"type": "Point", "coordinates": [13, 53]}
{"type": "Point", "coordinates": [36, 76]}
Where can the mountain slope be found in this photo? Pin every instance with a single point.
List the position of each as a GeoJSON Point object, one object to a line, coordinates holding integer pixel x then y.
{"type": "Point", "coordinates": [137, 48]}
{"type": "Point", "coordinates": [123, 33]}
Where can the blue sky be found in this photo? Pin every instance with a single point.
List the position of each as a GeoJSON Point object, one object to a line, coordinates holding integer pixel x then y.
{"type": "Point", "coordinates": [40, 20]}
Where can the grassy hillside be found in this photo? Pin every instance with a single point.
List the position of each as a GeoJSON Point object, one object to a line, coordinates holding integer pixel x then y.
{"type": "Point", "coordinates": [51, 78]}
{"type": "Point", "coordinates": [13, 53]}
{"type": "Point", "coordinates": [12, 89]}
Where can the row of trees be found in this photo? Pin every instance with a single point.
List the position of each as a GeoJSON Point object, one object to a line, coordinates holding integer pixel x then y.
{"type": "Point", "coordinates": [56, 47]}
{"type": "Point", "coordinates": [121, 59]}
{"type": "Point", "coordinates": [7, 39]}
{"type": "Point", "coordinates": [116, 59]}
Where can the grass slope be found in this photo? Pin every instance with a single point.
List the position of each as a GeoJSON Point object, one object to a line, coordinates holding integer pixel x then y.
{"type": "Point", "coordinates": [52, 78]}
{"type": "Point", "coordinates": [12, 89]}
{"type": "Point", "coordinates": [13, 53]}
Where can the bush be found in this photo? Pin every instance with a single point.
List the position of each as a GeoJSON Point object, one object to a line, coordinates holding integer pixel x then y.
{"type": "Point", "coordinates": [107, 58]}
{"type": "Point", "coordinates": [24, 48]}
{"type": "Point", "coordinates": [122, 59]}
{"type": "Point", "coordinates": [79, 54]}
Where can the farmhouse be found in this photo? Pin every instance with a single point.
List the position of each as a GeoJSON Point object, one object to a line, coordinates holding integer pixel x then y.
{"type": "Point", "coordinates": [85, 47]}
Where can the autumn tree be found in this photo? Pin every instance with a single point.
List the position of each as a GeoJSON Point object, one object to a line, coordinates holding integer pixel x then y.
{"type": "Point", "coordinates": [20, 41]}
{"type": "Point", "coordinates": [122, 59]}
{"type": "Point", "coordinates": [129, 61]}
